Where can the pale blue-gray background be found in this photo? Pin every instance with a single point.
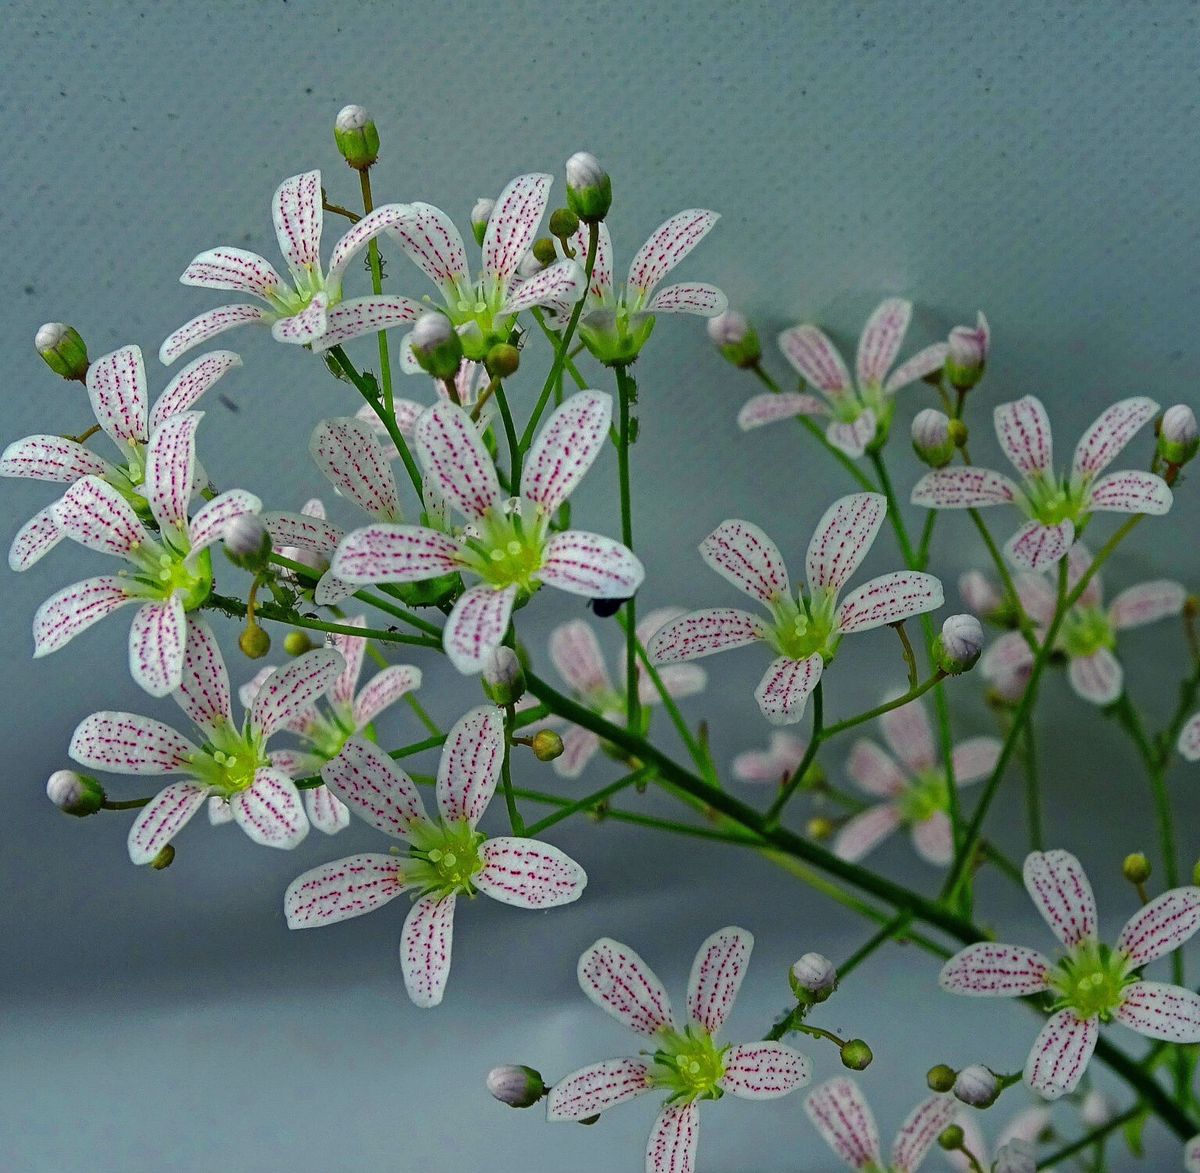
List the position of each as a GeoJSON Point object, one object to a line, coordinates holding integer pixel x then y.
{"type": "Point", "coordinates": [1035, 160]}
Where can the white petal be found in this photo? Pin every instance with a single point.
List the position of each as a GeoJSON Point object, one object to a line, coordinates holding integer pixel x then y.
{"type": "Point", "coordinates": [992, 970]}
{"type": "Point", "coordinates": [908, 732]}
{"type": "Point", "coordinates": [587, 564]}
{"type": "Point", "coordinates": [1036, 546]}
{"type": "Point", "coordinates": [784, 689]}
{"type": "Point", "coordinates": [881, 339]}
{"type": "Point", "coordinates": [811, 353]}
{"type": "Point", "coordinates": [36, 538]}
{"type": "Point", "coordinates": [125, 743]}
{"type": "Point", "coordinates": [1166, 923]}
{"type": "Point", "coordinates": [528, 874]}
{"type": "Point", "coordinates": [226, 267]}
{"type": "Point", "coordinates": [717, 972]}
{"type": "Point", "coordinates": [451, 452]}
{"type": "Point", "coordinates": [874, 771]}
{"type": "Point", "coordinates": [689, 297]}
{"type": "Point", "coordinates": [602, 269]}
{"type": "Point", "coordinates": [337, 891]}
{"type": "Point", "coordinates": [842, 538]}
{"type": "Point", "coordinates": [700, 633]}
{"type": "Point", "coordinates": [50, 458]}
{"type": "Point", "coordinates": [156, 640]}
{"type": "Point", "coordinates": [514, 223]}
{"type": "Point", "coordinates": [352, 648]}
{"type": "Point", "coordinates": [162, 818]}
{"type": "Point", "coordinates": [170, 470]}
{"type": "Point", "coordinates": [325, 810]}
{"type": "Point", "coordinates": [469, 768]}
{"type": "Point", "coordinates": [383, 690]}
{"type": "Point", "coordinates": [353, 461]}
{"type": "Point", "coordinates": [963, 488]}
{"type": "Point", "coordinates": [843, 1117]}
{"type": "Point", "coordinates": [933, 839]}
{"type": "Point", "coordinates": [1103, 442]}
{"type": "Point", "coordinates": [1130, 492]}
{"type": "Point", "coordinates": [668, 244]}
{"type": "Point", "coordinates": [1023, 429]}
{"type": "Point", "coordinates": [852, 438]}
{"type": "Point", "coordinates": [575, 653]}
{"type": "Point", "coordinates": [296, 209]}
{"type": "Point", "coordinates": [672, 1144]}
{"type": "Point", "coordinates": [742, 554]}
{"type": "Point", "coordinates": [366, 315]}
{"type": "Point", "coordinates": [476, 626]}
{"type": "Point", "coordinates": [888, 599]}
{"type": "Point", "coordinates": [190, 383]}
{"type": "Point", "coordinates": [769, 407]}
{"type": "Point", "coordinates": [270, 810]}
{"type": "Point", "coordinates": [394, 553]}
{"type": "Point", "coordinates": [425, 945]}
{"type": "Point", "coordinates": [306, 326]}
{"type": "Point", "coordinates": [1159, 1010]}
{"type": "Point", "coordinates": [289, 691]}
{"type": "Point", "coordinates": [764, 1071]}
{"type": "Point", "coordinates": [95, 515]}
{"type": "Point", "coordinates": [1189, 739]}
{"type": "Point", "coordinates": [1060, 1054]}
{"type": "Point", "coordinates": [1060, 889]}
{"type": "Point", "coordinates": [208, 325]}
{"type": "Point", "coordinates": [565, 448]}
{"type": "Point", "coordinates": [923, 363]}
{"type": "Point", "coordinates": [592, 1090]}
{"type": "Point", "coordinates": [1191, 1155]}
{"type": "Point", "coordinates": [1098, 678]}
{"type": "Point", "coordinates": [116, 386]}
{"type": "Point", "coordinates": [303, 530]}
{"type": "Point", "coordinates": [975, 758]}
{"type": "Point", "coordinates": [621, 983]}
{"type": "Point", "coordinates": [1146, 603]}
{"type": "Point", "coordinates": [920, 1131]}
{"type": "Point", "coordinates": [219, 811]}
{"type": "Point", "coordinates": [74, 609]}
{"type": "Point", "coordinates": [214, 517]}
{"type": "Point", "coordinates": [562, 282]}
{"type": "Point", "coordinates": [375, 788]}
{"type": "Point", "coordinates": [579, 747]}
{"type": "Point", "coordinates": [866, 831]}
{"type": "Point", "coordinates": [432, 241]}
{"type": "Point", "coordinates": [360, 235]}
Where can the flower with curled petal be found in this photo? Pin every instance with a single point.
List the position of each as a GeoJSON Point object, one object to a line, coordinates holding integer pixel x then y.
{"type": "Point", "coordinates": [844, 1118]}
{"type": "Point", "coordinates": [447, 856]}
{"type": "Point", "coordinates": [310, 309]}
{"type": "Point", "coordinates": [324, 728]}
{"type": "Point", "coordinates": [576, 655]}
{"type": "Point", "coordinates": [860, 410]}
{"type": "Point", "coordinates": [508, 545]}
{"type": "Point", "coordinates": [231, 763]}
{"type": "Point", "coordinates": [1091, 983]}
{"type": "Point", "coordinates": [912, 784]}
{"type": "Point", "coordinates": [116, 386]}
{"type": "Point", "coordinates": [1058, 507]}
{"type": "Point", "coordinates": [805, 629]}
{"type": "Point", "coordinates": [1025, 1127]}
{"type": "Point", "coordinates": [171, 567]}
{"type": "Point", "coordinates": [483, 309]}
{"type": "Point", "coordinates": [683, 1060]}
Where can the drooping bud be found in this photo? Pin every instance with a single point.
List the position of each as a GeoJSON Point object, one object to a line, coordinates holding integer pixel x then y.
{"type": "Point", "coordinates": [960, 644]}
{"type": "Point", "coordinates": [931, 438]}
{"type": "Point", "coordinates": [547, 745]}
{"type": "Point", "coordinates": [589, 188]}
{"type": "Point", "coordinates": [1178, 438]}
{"type": "Point", "coordinates": [436, 345]}
{"type": "Point", "coordinates": [1136, 868]}
{"type": "Point", "coordinates": [356, 137]}
{"type": "Point", "coordinates": [254, 642]}
{"type": "Point", "coordinates": [951, 1138]}
{"type": "Point", "coordinates": [164, 858]}
{"type": "Point", "coordinates": [296, 643]}
{"type": "Point", "coordinates": [502, 361]}
{"type": "Point", "coordinates": [941, 1077]}
{"type": "Point", "coordinates": [481, 213]}
{"type": "Point", "coordinates": [247, 543]}
{"type": "Point", "coordinates": [1097, 1109]}
{"type": "Point", "coordinates": [967, 354]}
{"type": "Point", "coordinates": [503, 678]}
{"type": "Point", "coordinates": [1017, 1156]}
{"type": "Point", "coordinates": [979, 593]}
{"type": "Point", "coordinates": [544, 251]}
{"type": "Point", "coordinates": [976, 1086]}
{"type": "Point", "coordinates": [856, 1055]}
{"type": "Point", "coordinates": [74, 794]}
{"type": "Point", "coordinates": [813, 978]}
{"type": "Point", "coordinates": [63, 350]}
{"type": "Point", "coordinates": [735, 338]}
{"type": "Point", "coordinates": [563, 224]}
{"type": "Point", "coordinates": [516, 1086]}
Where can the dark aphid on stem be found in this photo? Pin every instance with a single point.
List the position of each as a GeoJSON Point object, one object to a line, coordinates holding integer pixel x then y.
{"type": "Point", "coordinates": [605, 608]}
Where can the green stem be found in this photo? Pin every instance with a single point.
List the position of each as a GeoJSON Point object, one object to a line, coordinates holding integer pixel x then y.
{"type": "Point", "coordinates": [1006, 578]}
{"type": "Point", "coordinates": [626, 390]}
{"type": "Point", "coordinates": [897, 518]}
{"type": "Point", "coordinates": [568, 366]}
{"type": "Point", "coordinates": [588, 802]}
{"type": "Point", "coordinates": [814, 743]}
{"type": "Point", "coordinates": [886, 707]}
{"type": "Point", "coordinates": [895, 926]}
{"type": "Point", "coordinates": [1033, 799]}
{"type": "Point", "coordinates": [514, 815]}
{"type": "Point", "coordinates": [1089, 1138]}
{"type": "Point", "coordinates": [236, 608]}
{"type": "Point", "coordinates": [385, 362]}
{"type": "Point", "coordinates": [510, 432]}
{"type": "Point", "coordinates": [419, 709]}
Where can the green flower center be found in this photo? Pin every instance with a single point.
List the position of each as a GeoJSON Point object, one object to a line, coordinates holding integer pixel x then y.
{"type": "Point", "coordinates": [163, 571]}
{"type": "Point", "coordinates": [477, 307]}
{"type": "Point", "coordinates": [689, 1065]}
{"type": "Point", "coordinates": [444, 856]}
{"type": "Point", "coordinates": [509, 547]}
{"type": "Point", "coordinates": [229, 760]}
{"type": "Point", "coordinates": [290, 301]}
{"type": "Point", "coordinates": [616, 333]}
{"type": "Point", "coordinates": [1091, 981]}
{"type": "Point", "coordinates": [927, 795]}
{"type": "Point", "coordinates": [1051, 502]}
{"type": "Point", "coordinates": [1085, 631]}
{"type": "Point", "coordinates": [330, 731]}
{"type": "Point", "coordinates": [804, 627]}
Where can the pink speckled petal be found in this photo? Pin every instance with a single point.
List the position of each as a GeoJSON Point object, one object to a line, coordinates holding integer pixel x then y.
{"type": "Point", "coordinates": [470, 765]}
{"type": "Point", "coordinates": [226, 267]}
{"type": "Point", "coordinates": [562, 282]}
{"type": "Point", "coordinates": [366, 315]}
{"type": "Point", "coordinates": [162, 818]}
{"type": "Point", "coordinates": [1166, 923]}
{"type": "Point", "coordinates": [673, 1139]}
{"type": "Point", "coordinates": [348, 452]}
{"type": "Point", "coordinates": [1060, 889]}
{"type": "Point", "coordinates": [375, 788]}
{"type": "Point", "coordinates": [963, 488]}
{"type": "Point", "coordinates": [668, 244]}
{"type": "Point", "coordinates": [1023, 429]}
{"type": "Point", "coordinates": [742, 554]}
{"type": "Point", "coordinates": [602, 270]}
{"type": "Point", "coordinates": [842, 1116]}
{"type": "Point", "coordinates": [528, 874]}
{"type": "Point", "coordinates": [974, 759]}
{"type": "Point", "coordinates": [1159, 1010]}
{"type": "Point", "coordinates": [1036, 546]}
{"type": "Point", "coordinates": [784, 689]}
{"type": "Point", "coordinates": [353, 648]}
{"type": "Point", "coordinates": [95, 515]}
{"type": "Point", "coordinates": [576, 655]}
{"type": "Point", "coordinates": [881, 339]}
{"type": "Point", "coordinates": [191, 382]}
{"type": "Point", "coordinates": [1060, 1054]}
{"type": "Point", "coordinates": [203, 692]}
{"type": "Point", "coordinates": [842, 539]}
{"type": "Point", "coordinates": [816, 359]}
{"type": "Point", "coordinates": [425, 946]}
{"type": "Point", "coordinates": [156, 641]}
{"type": "Point", "coordinates": [923, 363]}
{"type": "Point", "coordinates": [513, 224]}
{"type": "Point", "coordinates": [51, 458]}
{"type": "Point", "coordinates": [394, 553]}
{"type": "Point", "coordinates": [587, 564]}
{"type": "Point", "coordinates": [865, 831]}
{"type": "Point", "coordinates": [1006, 656]}
{"type": "Point", "coordinates": [769, 407]}
{"type": "Point", "coordinates": [297, 214]}
{"type": "Point", "coordinates": [360, 235]}
{"type": "Point", "coordinates": [476, 626]}
{"type": "Point", "coordinates": [1189, 739]}
{"type": "Point", "coordinates": [408, 411]}
{"type": "Point", "coordinates": [306, 326]}
{"type": "Point", "coordinates": [614, 977]}
{"type": "Point", "coordinates": [270, 810]}
{"type": "Point", "coordinates": [432, 241]}
{"type": "Point", "coordinates": [1098, 678]}
{"type": "Point", "coordinates": [592, 1090]}
{"type": "Point", "coordinates": [208, 325]}
{"type": "Point", "coordinates": [579, 747]}
{"type": "Point", "coordinates": [304, 530]}
{"type": "Point", "coordinates": [1112, 430]}
{"type": "Point", "coordinates": [448, 444]}
{"type": "Point", "coordinates": [689, 297]}
{"type": "Point", "coordinates": [214, 517]}
{"type": "Point", "coordinates": [294, 763]}
{"type": "Point", "coordinates": [908, 732]}
{"type": "Point", "coordinates": [74, 609]}
{"type": "Point", "coordinates": [852, 438]}
{"type": "Point", "coordinates": [116, 385]}
{"type": "Point", "coordinates": [700, 633]}
{"type": "Point", "coordinates": [342, 889]}
{"type": "Point", "coordinates": [764, 1071]}
{"type": "Point", "coordinates": [125, 743]}
{"type": "Point", "coordinates": [1130, 492]}
{"type": "Point", "coordinates": [1147, 602]}
{"type": "Point", "coordinates": [717, 972]}
{"type": "Point", "coordinates": [565, 448]}
{"type": "Point", "coordinates": [289, 691]}
{"type": "Point", "coordinates": [170, 470]}
{"type": "Point", "coordinates": [920, 1131]}
{"type": "Point", "coordinates": [874, 771]}
{"type": "Point", "coordinates": [325, 810]}
{"type": "Point", "coordinates": [36, 538]}
{"type": "Point", "coordinates": [888, 599]}
{"type": "Point", "coordinates": [933, 839]}
{"type": "Point", "coordinates": [992, 970]}
{"type": "Point", "coordinates": [383, 690]}
{"type": "Point", "coordinates": [1079, 563]}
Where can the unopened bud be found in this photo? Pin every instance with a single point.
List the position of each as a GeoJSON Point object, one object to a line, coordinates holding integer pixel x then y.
{"type": "Point", "coordinates": [516, 1086]}
{"type": "Point", "coordinates": [931, 439]}
{"type": "Point", "coordinates": [436, 345]}
{"type": "Point", "coordinates": [1017, 1156]}
{"type": "Point", "coordinates": [563, 223]}
{"type": "Point", "coordinates": [529, 266]}
{"type": "Point", "coordinates": [481, 213]}
{"type": "Point", "coordinates": [1097, 1109]}
{"type": "Point", "coordinates": [976, 1086]}
{"type": "Point", "coordinates": [960, 644]}
{"type": "Point", "coordinates": [503, 679]}
{"type": "Point", "coordinates": [856, 1055]}
{"type": "Point", "coordinates": [164, 858]}
{"type": "Point", "coordinates": [819, 828]}
{"type": "Point", "coordinates": [951, 1138]}
{"type": "Point", "coordinates": [356, 137]}
{"type": "Point", "coordinates": [254, 642]}
{"type": "Point", "coordinates": [735, 338]}
{"type": "Point", "coordinates": [941, 1077]}
{"type": "Point", "coordinates": [1136, 868]}
{"type": "Point", "coordinates": [546, 745]}
{"type": "Point", "coordinates": [967, 353]}
{"type": "Point", "coordinates": [296, 643]}
{"type": "Point", "coordinates": [813, 978]}
{"type": "Point", "coordinates": [1178, 438]}
{"type": "Point", "coordinates": [247, 543]}
{"type": "Point", "coordinates": [502, 361]}
{"type": "Point", "coordinates": [979, 593]}
{"type": "Point", "coordinates": [63, 350]}
{"type": "Point", "coordinates": [544, 251]}
{"type": "Point", "coordinates": [74, 794]}
{"type": "Point", "coordinates": [589, 189]}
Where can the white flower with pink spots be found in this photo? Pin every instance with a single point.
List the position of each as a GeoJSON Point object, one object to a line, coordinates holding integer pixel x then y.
{"type": "Point", "coordinates": [776, 763]}
{"type": "Point", "coordinates": [1025, 1127]}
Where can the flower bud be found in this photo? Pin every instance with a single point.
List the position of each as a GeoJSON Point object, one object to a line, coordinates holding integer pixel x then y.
{"type": "Point", "coordinates": [1097, 1109]}
{"type": "Point", "coordinates": [967, 354]}
{"type": "Point", "coordinates": [951, 1138]}
{"type": "Point", "coordinates": [931, 439]}
{"type": "Point", "coordinates": [164, 858]}
{"type": "Point", "coordinates": [503, 679]}
{"type": "Point", "coordinates": [254, 642]}
{"type": "Point", "coordinates": [518, 1087]}
{"type": "Point", "coordinates": [436, 346]}
{"type": "Point", "coordinates": [529, 266]}
{"type": "Point", "coordinates": [960, 644]}
{"type": "Point", "coordinates": [247, 543]}
{"type": "Point", "coordinates": [735, 338]}
{"type": "Point", "coordinates": [979, 593]}
{"type": "Point", "coordinates": [356, 137]}
{"type": "Point", "coordinates": [819, 828]}
{"type": "Point", "coordinates": [544, 251]}
{"type": "Point", "coordinates": [481, 213]}
{"type": "Point", "coordinates": [63, 350]}
{"type": "Point", "coordinates": [296, 643]}
{"type": "Point", "coordinates": [563, 223]}
{"type": "Point", "coordinates": [502, 361]}
{"type": "Point", "coordinates": [856, 1055]}
{"type": "Point", "coordinates": [1178, 438]}
{"type": "Point", "coordinates": [589, 189]}
{"type": "Point", "coordinates": [1015, 1157]}
{"type": "Point", "coordinates": [976, 1086]}
{"type": "Point", "coordinates": [547, 745]}
{"type": "Point", "coordinates": [1136, 868]}
{"type": "Point", "coordinates": [813, 978]}
{"type": "Point", "coordinates": [74, 794]}
{"type": "Point", "coordinates": [941, 1077]}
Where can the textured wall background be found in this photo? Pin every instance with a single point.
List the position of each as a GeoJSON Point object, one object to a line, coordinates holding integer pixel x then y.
{"type": "Point", "coordinates": [1038, 160]}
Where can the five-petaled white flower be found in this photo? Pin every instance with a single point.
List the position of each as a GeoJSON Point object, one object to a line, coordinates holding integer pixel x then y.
{"type": "Point", "coordinates": [1024, 1127]}
{"type": "Point", "coordinates": [775, 764]}
{"type": "Point", "coordinates": [1088, 635]}
{"type": "Point", "coordinates": [913, 785]}
{"type": "Point", "coordinates": [116, 385]}
{"type": "Point", "coordinates": [483, 310]}
{"type": "Point", "coordinates": [861, 409]}
{"type": "Point", "coordinates": [231, 764]}
{"type": "Point", "coordinates": [171, 567]}
{"type": "Point", "coordinates": [576, 655]}
{"type": "Point", "coordinates": [803, 629]}
{"type": "Point", "coordinates": [325, 729]}
{"type": "Point", "coordinates": [507, 544]}
{"type": "Point", "coordinates": [309, 310]}
{"type": "Point", "coordinates": [1057, 507]}
{"type": "Point", "coordinates": [447, 856]}
{"type": "Point", "coordinates": [686, 1062]}
{"type": "Point", "coordinates": [1092, 983]}
{"type": "Point", "coordinates": [844, 1118]}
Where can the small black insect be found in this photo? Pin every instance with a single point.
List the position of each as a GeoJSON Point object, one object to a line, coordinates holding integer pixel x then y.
{"type": "Point", "coordinates": [605, 608]}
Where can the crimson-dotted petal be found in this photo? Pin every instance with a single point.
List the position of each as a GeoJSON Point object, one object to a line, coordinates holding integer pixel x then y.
{"type": "Point", "coordinates": [50, 458]}
{"type": "Point", "coordinates": [923, 363]}
{"type": "Point", "coordinates": [811, 353]}
{"type": "Point", "coordinates": [289, 691]}
{"type": "Point", "coordinates": [874, 771]}
{"type": "Point", "coordinates": [342, 889]}
{"type": "Point", "coordinates": [933, 839]}
{"type": "Point", "coordinates": [74, 609]}
{"type": "Point", "coordinates": [588, 564]}
{"type": "Point", "coordinates": [667, 245]}
{"type": "Point", "coordinates": [963, 488]}
{"type": "Point", "coordinates": [717, 972]}
{"type": "Point", "coordinates": [306, 530]}
{"type": "Point", "coordinates": [469, 768]}
{"type": "Point", "coordinates": [1023, 429]}
{"type": "Point", "coordinates": [325, 810]}
{"type": "Point", "coordinates": [432, 242]}
{"type": "Point", "coordinates": [476, 626]}
{"type": "Point", "coordinates": [1110, 433]}
{"type": "Point", "coordinates": [383, 690]}
{"type": "Point", "coordinates": [451, 452]}
{"type": "Point", "coordinates": [214, 517]}
{"type": "Point", "coordinates": [881, 339]}
{"type": "Point", "coordinates": [579, 747]}
{"type": "Point", "coordinates": [156, 640]}
{"type": "Point", "coordinates": [126, 743]}
{"type": "Point", "coordinates": [35, 539]}
{"type": "Point", "coordinates": [394, 553]}
{"type": "Point", "coordinates": [1036, 546]}
{"type": "Point", "coordinates": [162, 818]}
{"type": "Point", "coordinates": [513, 224]}
{"type": "Point", "coordinates": [769, 407]}
{"type": "Point", "coordinates": [1146, 603]}
{"type": "Point", "coordinates": [297, 213]}
{"type": "Point", "coordinates": [1060, 1054]}
{"type": "Point", "coordinates": [701, 633]}
{"type": "Point", "coordinates": [991, 970]}
{"type": "Point", "coordinates": [592, 1090]}
{"type": "Point", "coordinates": [842, 1116]}
{"type": "Point", "coordinates": [95, 515]}
{"type": "Point", "coordinates": [208, 325]}
{"type": "Point", "coordinates": [888, 599]}
{"type": "Point", "coordinates": [920, 1131]}
{"type": "Point", "coordinates": [1056, 882]}
{"type": "Point", "coordinates": [203, 692]}
{"type": "Point", "coordinates": [1130, 492]}
{"type": "Point", "coordinates": [1098, 678]}
{"type": "Point", "coordinates": [116, 385]}
{"type": "Point", "coordinates": [908, 732]}
{"type": "Point", "coordinates": [425, 946]}
{"type": "Point", "coordinates": [1159, 1010]}
{"type": "Point", "coordinates": [353, 461]}
{"type": "Point", "coordinates": [366, 315]}
{"type": "Point", "coordinates": [1189, 739]}
{"type": "Point", "coordinates": [614, 977]}
{"type": "Point", "coordinates": [852, 438]}
{"type": "Point", "coordinates": [377, 789]}
{"type": "Point", "coordinates": [764, 1071]}
{"type": "Point", "coordinates": [742, 554]}
{"type": "Point", "coordinates": [689, 297]}
{"type": "Point", "coordinates": [306, 326]}
{"type": "Point", "coordinates": [226, 267]}
{"type": "Point", "coordinates": [360, 235]}
{"type": "Point", "coordinates": [784, 689]}
{"type": "Point", "coordinates": [575, 653]}
{"type": "Point", "coordinates": [190, 383]}
{"type": "Point", "coordinates": [170, 470]}
{"type": "Point", "coordinates": [602, 268]}
{"type": "Point", "coordinates": [352, 648]}
{"type": "Point", "coordinates": [270, 810]}
{"type": "Point", "coordinates": [560, 283]}
{"type": "Point", "coordinates": [865, 831]}
{"type": "Point", "coordinates": [528, 874]}
{"type": "Point", "coordinates": [672, 1144]}
{"type": "Point", "coordinates": [565, 449]}
{"type": "Point", "coordinates": [1164, 924]}
{"type": "Point", "coordinates": [842, 538]}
